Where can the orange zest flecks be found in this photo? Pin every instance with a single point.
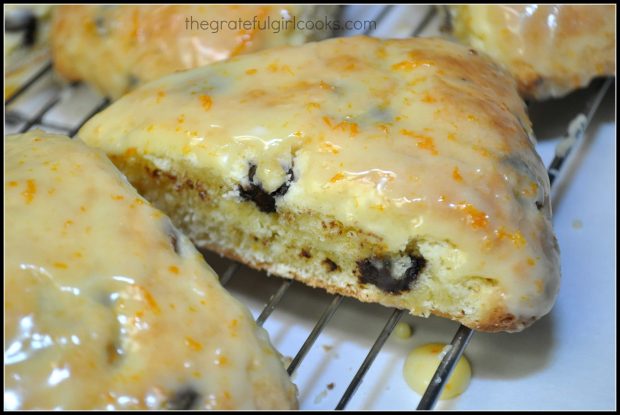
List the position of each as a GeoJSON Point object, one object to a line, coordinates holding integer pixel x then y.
{"type": "Point", "coordinates": [221, 361]}
{"type": "Point", "coordinates": [149, 300]}
{"type": "Point", "coordinates": [313, 105]}
{"type": "Point", "coordinates": [336, 177]}
{"type": "Point", "coordinates": [60, 265]}
{"type": "Point", "coordinates": [427, 98]}
{"type": "Point", "coordinates": [181, 118]}
{"type": "Point", "coordinates": [326, 86]}
{"type": "Point", "coordinates": [206, 102]}
{"type": "Point", "coordinates": [475, 218]}
{"type": "Point", "coordinates": [405, 66]}
{"type": "Point", "coordinates": [160, 96]}
{"type": "Point", "coordinates": [193, 344]}
{"type": "Point", "coordinates": [451, 137]}
{"type": "Point", "coordinates": [530, 191]}
{"type": "Point", "coordinates": [12, 183]}
{"type": "Point", "coordinates": [329, 147]}
{"type": "Point", "coordinates": [517, 237]}
{"type": "Point", "coordinates": [273, 67]}
{"type": "Point", "coordinates": [118, 197]}
{"type": "Point", "coordinates": [456, 175]}
{"type": "Point", "coordinates": [481, 150]}
{"type": "Point", "coordinates": [130, 152]}
{"type": "Point", "coordinates": [251, 71]}
{"type": "Point", "coordinates": [233, 326]}
{"type": "Point", "coordinates": [384, 127]}
{"type": "Point", "coordinates": [174, 269]}
{"type": "Point", "coordinates": [31, 189]}
{"type": "Point", "coordinates": [423, 142]}
{"type": "Point", "coordinates": [531, 261]}
{"type": "Point", "coordinates": [436, 349]}
{"type": "Point", "coordinates": [245, 38]}
{"type": "Point", "coordinates": [415, 62]}
{"type": "Point", "coordinates": [345, 126]}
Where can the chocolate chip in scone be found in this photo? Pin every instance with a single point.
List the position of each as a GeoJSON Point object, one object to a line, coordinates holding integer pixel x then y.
{"type": "Point", "coordinates": [255, 193]}
{"type": "Point", "coordinates": [539, 205]}
{"type": "Point", "coordinates": [330, 265]}
{"type": "Point", "coordinates": [388, 277]}
{"type": "Point", "coordinates": [266, 202]}
{"type": "Point", "coordinates": [113, 353]}
{"type": "Point", "coordinates": [185, 398]}
{"type": "Point", "coordinates": [281, 191]}
{"type": "Point", "coordinates": [305, 254]}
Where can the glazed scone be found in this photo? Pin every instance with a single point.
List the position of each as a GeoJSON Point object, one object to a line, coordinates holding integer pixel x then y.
{"type": "Point", "coordinates": [116, 48]}
{"type": "Point", "coordinates": [394, 171]}
{"type": "Point", "coordinates": [550, 49]}
{"type": "Point", "coordinates": [107, 306]}
{"type": "Point", "coordinates": [26, 42]}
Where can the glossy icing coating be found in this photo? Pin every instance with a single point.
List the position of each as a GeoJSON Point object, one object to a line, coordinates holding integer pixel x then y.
{"type": "Point", "coordinates": [107, 306]}
{"type": "Point", "coordinates": [421, 365]}
{"type": "Point", "coordinates": [119, 47]}
{"type": "Point", "coordinates": [404, 139]}
{"type": "Point", "coordinates": [550, 49]}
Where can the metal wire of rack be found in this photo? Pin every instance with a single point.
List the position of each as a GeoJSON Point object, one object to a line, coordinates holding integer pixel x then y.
{"type": "Point", "coordinates": [22, 118]}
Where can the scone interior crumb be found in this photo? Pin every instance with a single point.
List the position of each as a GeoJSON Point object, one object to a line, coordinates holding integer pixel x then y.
{"type": "Point", "coordinates": [313, 248]}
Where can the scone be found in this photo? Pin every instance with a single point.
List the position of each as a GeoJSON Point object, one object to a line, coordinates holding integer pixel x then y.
{"type": "Point", "coordinates": [395, 171]}
{"type": "Point", "coordinates": [107, 306]}
{"type": "Point", "coordinates": [26, 42]}
{"type": "Point", "coordinates": [116, 48]}
{"type": "Point", "coordinates": [551, 49]}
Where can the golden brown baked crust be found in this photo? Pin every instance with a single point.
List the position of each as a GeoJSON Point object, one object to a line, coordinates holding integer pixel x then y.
{"type": "Point", "coordinates": [26, 43]}
{"type": "Point", "coordinates": [550, 49]}
{"type": "Point", "coordinates": [108, 306]}
{"type": "Point", "coordinates": [116, 48]}
{"type": "Point", "coordinates": [396, 171]}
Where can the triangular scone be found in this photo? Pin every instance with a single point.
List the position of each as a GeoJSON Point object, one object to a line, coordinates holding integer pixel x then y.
{"type": "Point", "coordinates": [550, 49]}
{"type": "Point", "coordinates": [116, 48]}
{"type": "Point", "coordinates": [395, 171]}
{"type": "Point", "coordinates": [107, 306]}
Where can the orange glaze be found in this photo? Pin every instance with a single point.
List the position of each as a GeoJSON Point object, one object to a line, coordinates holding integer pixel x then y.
{"type": "Point", "coordinates": [93, 317]}
{"type": "Point", "coordinates": [469, 147]}
{"type": "Point", "coordinates": [550, 49]}
{"type": "Point", "coordinates": [116, 48]}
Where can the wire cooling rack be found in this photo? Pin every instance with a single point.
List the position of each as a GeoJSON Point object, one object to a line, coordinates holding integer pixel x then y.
{"type": "Point", "coordinates": [41, 102]}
